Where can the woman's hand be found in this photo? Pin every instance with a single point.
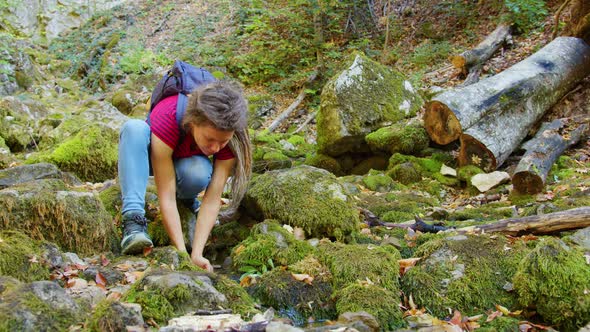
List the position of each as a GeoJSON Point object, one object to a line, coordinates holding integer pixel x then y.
{"type": "Point", "coordinates": [202, 262]}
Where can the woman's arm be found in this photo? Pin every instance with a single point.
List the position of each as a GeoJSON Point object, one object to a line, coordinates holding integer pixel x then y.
{"type": "Point", "coordinates": [209, 210]}
{"type": "Point", "coordinates": [165, 176]}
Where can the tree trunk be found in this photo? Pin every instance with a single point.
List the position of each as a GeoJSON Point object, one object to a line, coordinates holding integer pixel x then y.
{"type": "Point", "coordinates": [483, 51]}
{"type": "Point", "coordinates": [579, 23]}
{"type": "Point", "coordinates": [541, 152]}
{"type": "Point", "coordinates": [515, 99]}
{"type": "Point", "coordinates": [521, 93]}
{"type": "Point", "coordinates": [541, 224]}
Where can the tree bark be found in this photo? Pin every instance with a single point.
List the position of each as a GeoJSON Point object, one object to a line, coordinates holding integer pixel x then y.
{"type": "Point", "coordinates": [541, 152]}
{"type": "Point", "coordinates": [521, 93]}
{"type": "Point", "coordinates": [483, 51]}
{"type": "Point", "coordinates": [514, 100]}
{"type": "Point", "coordinates": [541, 224]}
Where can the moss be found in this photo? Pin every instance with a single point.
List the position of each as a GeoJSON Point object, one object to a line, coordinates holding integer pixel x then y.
{"type": "Point", "coordinates": [91, 154]}
{"type": "Point", "coordinates": [403, 138]}
{"type": "Point", "coordinates": [487, 212]}
{"type": "Point", "coordinates": [378, 182]}
{"type": "Point", "coordinates": [305, 197]}
{"type": "Point", "coordinates": [269, 241]}
{"type": "Point", "coordinates": [154, 305]}
{"type": "Point", "coordinates": [16, 257]}
{"type": "Point", "coordinates": [554, 278]}
{"type": "Point", "coordinates": [296, 140]}
{"type": "Point", "coordinates": [349, 263]}
{"type": "Point", "coordinates": [325, 162]}
{"type": "Point", "coordinates": [22, 310]}
{"type": "Point", "coordinates": [46, 210]}
{"type": "Point", "coordinates": [240, 302]}
{"type": "Point", "coordinates": [405, 173]}
{"type": "Point", "coordinates": [369, 163]}
{"type": "Point", "coordinates": [520, 199]}
{"type": "Point", "coordinates": [111, 199]}
{"type": "Point", "coordinates": [105, 318]}
{"type": "Point", "coordinates": [467, 274]}
{"type": "Point", "coordinates": [362, 98]}
{"type": "Point", "coordinates": [295, 299]}
{"type": "Point", "coordinates": [122, 102]}
{"type": "Point", "coordinates": [382, 303]}
{"type": "Point", "coordinates": [502, 323]}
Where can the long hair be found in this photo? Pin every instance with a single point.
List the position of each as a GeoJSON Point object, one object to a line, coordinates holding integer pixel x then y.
{"type": "Point", "coordinates": [222, 105]}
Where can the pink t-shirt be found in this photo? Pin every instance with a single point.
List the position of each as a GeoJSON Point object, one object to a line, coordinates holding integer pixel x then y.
{"type": "Point", "coordinates": [164, 126]}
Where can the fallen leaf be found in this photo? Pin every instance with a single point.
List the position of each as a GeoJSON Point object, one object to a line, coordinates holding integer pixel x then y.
{"type": "Point", "coordinates": [531, 325]}
{"type": "Point", "coordinates": [246, 281]}
{"type": "Point", "coordinates": [33, 259]}
{"type": "Point", "coordinates": [147, 251]}
{"type": "Point", "coordinates": [504, 310]}
{"type": "Point", "coordinates": [101, 282]}
{"type": "Point", "coordinates": [114, 296]}
{"type": "Point", "coordinates": [104, 260]}
{"type": "Point", "coordinates": [152, 322]}
{"type": "Point", "coordinates": [80, 266]}
{"type": "Point", "coordinates": [456, 319]}
{"type": "Point", "coordinates": [123, 267]}
{"type": "Point", "coordinates": [76, 283]}
{"type": "Point", "coordinates": [406, 264]}
{"type": "Point", "coordinates": [288, 228]}
{"type": "Point", "coordinates": [493, 316]}
{"type": "Point", "coordinates": [306, 278]}
{"type": "Point", "coordinates": [299, 233]}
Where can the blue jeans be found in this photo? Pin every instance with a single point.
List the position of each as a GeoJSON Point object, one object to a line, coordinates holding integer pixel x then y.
{"type": "Point", "coordinates": [193, 174]}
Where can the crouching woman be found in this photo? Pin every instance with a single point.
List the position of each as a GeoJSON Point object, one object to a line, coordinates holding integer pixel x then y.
{"type": "Point", "coordinates": [214, 125]}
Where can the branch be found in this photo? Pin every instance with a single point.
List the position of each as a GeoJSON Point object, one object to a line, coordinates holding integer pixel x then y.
{"type": "Point", "coordinates": [285, 114]}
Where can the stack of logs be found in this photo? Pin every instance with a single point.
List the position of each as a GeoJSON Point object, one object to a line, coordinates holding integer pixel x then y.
{"type": "Point", "coordinates": [493, 116]}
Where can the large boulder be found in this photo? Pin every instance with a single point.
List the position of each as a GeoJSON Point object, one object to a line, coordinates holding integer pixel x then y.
{"type": "Point", "coordinates": [363, 98]}
{"type": "Point", "coordinates": [468, 273]}
{"type": "Point", "coordinates": [48, 210]}
{"type": "Point", "coordinates": [38, 306]}
{"type": "Point", "coordinates": [19, 122]}
{"type": "Point", "coordinates": [304, 196]}
{"type": "Point", "coordinates": [22, 174]}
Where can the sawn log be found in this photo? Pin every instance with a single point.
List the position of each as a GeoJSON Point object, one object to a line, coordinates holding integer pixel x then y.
{"type": "Point", "coordinates": [483, 51]}
{"type": "Point", "coordinates": [535, 84]}
{"type": "Point", "coordinates": [540, 224]}
{"type": "Point", "coordinates": [516, 96]}
{"type": "Point", "coordinates": [541, 152]}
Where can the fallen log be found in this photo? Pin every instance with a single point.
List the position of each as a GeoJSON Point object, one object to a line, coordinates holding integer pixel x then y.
{"type": "Point", "coordinates": [541, 224]}
{"type": "Point", "coordinates": [285, 114]}
{"type": "Point", "coordinates": [521, 93]}
{"type": "Point", "coordinates": [541, 152]}
{"type": "Point", "coordinates": [518, 97]}
{"type": "Point", "coordinates": [483, 51]}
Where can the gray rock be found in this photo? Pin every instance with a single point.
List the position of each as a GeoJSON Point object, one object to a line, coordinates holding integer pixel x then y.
{"type": "Point", "coordinates": [120, 316]}
{"type": "Point", "coordinates": [361, 99]}
{"type": "Point", "coordinates": [582, 238]}
{"type": "Point", "coordinates": [26, 173]}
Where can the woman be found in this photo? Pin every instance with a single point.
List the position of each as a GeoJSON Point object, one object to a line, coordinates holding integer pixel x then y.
{"type": "Point", "coordinates": [215, 124]}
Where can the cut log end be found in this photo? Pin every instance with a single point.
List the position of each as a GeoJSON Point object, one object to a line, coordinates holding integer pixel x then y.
{"type": "Point", "coordinates": [441, 123]}
{"type": "Point", "coordinates": [527, 183]}
{"type": "Point", "coordinates": [459, 62]}
{"type": "Point", "coordinates": [473, 152]}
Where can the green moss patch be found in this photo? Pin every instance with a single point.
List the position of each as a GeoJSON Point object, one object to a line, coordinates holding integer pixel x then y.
{"type": "Point", "coordinates": [21, 257]}
{"type": "Point", "coordinates": [403, 138]}
{"type": "Point", "coordinates": [555, 278]}
{"type": "Point", "coordinates": [306, 197]}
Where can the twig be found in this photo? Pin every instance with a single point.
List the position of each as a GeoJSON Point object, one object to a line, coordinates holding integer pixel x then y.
{"type": "Point", "coordinates": [556, 27]}
{"type": "Point", "coordinates": [307, 120]}
{"type": "Point", "coordinates": [159, 27]}
{"type": "Point", "coordinates": [293, 106]}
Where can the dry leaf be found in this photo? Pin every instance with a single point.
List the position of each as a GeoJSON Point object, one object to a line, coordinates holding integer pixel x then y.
{"type": "Point", "coordinates": [104, 260]}
{"type": "Point", "coordinates": [299, 233]}
{"type": "Point", "coordinates": [76, 283]}
{"type": "Point", "coordinates": [114, 296]}
{"type": "Point", "coordinates": [502, 309]}
{"type": "Point", "coordinates": [246, 281]}
{"type": "Point", "coordinates": [306, 278]}
{"type": "Point", "coordinates": [123, 267]}
{"type": "Point", "coordinates": [33, 259]}
{"type": "Point", "coordinates": [406, 264]}
{"type": "Point", "coordinates": [147, 251]}
{"type": "Point", "coordinates": [101, 281]}
{"type": "Point", "coordinates": [493, 316]}
{"type": "Point", "coordinates": [456, 320]}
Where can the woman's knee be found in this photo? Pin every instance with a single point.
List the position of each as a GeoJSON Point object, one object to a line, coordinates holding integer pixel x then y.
{"type": "Point", "coordinates": [135, 129]}
{"type": "Point", "coordinates": [192, 175]}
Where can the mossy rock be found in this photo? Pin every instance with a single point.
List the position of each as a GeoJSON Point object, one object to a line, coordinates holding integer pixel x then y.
{"type": "Point", "coordinates": [465, 273]}
{"type": "Point", "coordinates": [326, 162]}
{"type": "Point", "coordinates": [305, 197]}
{"type": "Point", "coordinates": [368, 163]}
{"type": "Point", "coordinates": [38, 306]}
{"type": "Point", "coordinates": [401, 137]}
{"type": "Point", "coordinates": [352, 262]}
{"type": "Point", "coordinates": [123, 100]}
{"type": "Point", "coordinates": [362, 98]}
{"type": "Point", "coordinates": [21, 257]}
{"type": "Point", "coordinates": [269, 241]}
{"type": "Point", "coordinates": [380, 302]}
{"type": "Point", "coordinates": [239, 301]}
{"type": "Point", "coordinates": [295, 299]}
{"type": "Point", "coordinates": [47, 210]}
{"type": "Point", "coordinates": [164, 294]}
{"type": "Point", "coordinates": [405, 173]}
{"type": "Point", "coordinates": [110, 315]}
{"type": "Point", "coordinates": [376, 181]}
{"type": "Point", "coordinates": [91, 154]}
{"type": "Point", "coordinates": [554, 278]}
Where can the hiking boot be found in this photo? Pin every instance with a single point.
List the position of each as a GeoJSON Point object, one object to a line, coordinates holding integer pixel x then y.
{"type": "Point", "coordinates": [135, 237]}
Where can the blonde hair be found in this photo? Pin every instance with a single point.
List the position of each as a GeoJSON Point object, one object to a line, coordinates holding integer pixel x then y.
{"type": "Point", "coordinates": [222, 105]}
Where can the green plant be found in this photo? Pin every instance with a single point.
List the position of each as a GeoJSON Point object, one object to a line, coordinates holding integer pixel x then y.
{"type": "Point", "coordinates": [430, 52]}
{"type": "Point", "coordinates": [255, 268]}
{"type": "Point", "coordinates": [526, 14]}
